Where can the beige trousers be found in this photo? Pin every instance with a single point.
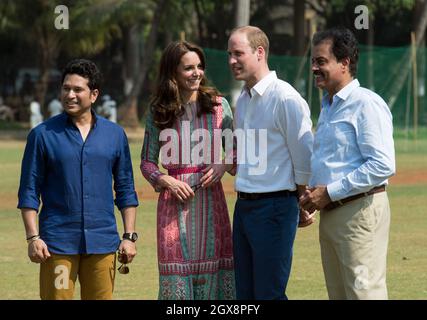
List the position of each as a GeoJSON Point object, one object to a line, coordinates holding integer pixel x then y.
{"type": "Point", "coordinates": [353, 243]}
{"type": "Point", "coordinates": [96, 274]}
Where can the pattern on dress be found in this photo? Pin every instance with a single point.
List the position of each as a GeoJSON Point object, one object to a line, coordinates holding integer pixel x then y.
{"type": "Point", "coordinates": [194, 242]}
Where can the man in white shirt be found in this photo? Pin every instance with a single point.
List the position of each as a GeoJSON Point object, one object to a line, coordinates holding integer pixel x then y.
{"type": "Point", "coordinates": [36, 116]}
{"type": "Point", "coordinates": [275, 121]}
{"type": "Point", "coordinates": [353, 157]}
{"type": "Point", "coordinates": [109, 108]}
{"type": "Point", "coordinates": [55, 107]}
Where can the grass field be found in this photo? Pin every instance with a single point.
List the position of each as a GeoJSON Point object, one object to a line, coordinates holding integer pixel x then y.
{"type": "Point", "coordinates": [407, 259]}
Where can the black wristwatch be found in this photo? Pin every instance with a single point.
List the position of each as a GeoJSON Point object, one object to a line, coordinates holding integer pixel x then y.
{"type": "Point", "coordinates": [132, 236]}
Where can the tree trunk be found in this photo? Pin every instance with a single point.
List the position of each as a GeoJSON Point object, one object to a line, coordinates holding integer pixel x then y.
{"type": "Point", "coordinates": [129, 110]}
{"type": "Point", "coordinates": [242, 12]}
{"type": "Point", "coordinates": [131, 55]}
{"type": "Point", "coordinates": [370, 65]}
{"type": "Point", "coordinates": [200, 29]}
{"type": "Point", "coordinates": [421, 67]}
{"type": "Point", "coordinates": [299, 34]}
{"type": "Point", "coordinates": [420, 27]}
{"type": "Point", "coordinates": [48, 51]}
{"type": "Point", "coordinates": [242, 17]}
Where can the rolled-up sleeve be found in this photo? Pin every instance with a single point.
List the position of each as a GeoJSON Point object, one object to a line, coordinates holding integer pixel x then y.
{"type": "Point", "coordinates": [296, 126]}
{"type": "Point", "coordinates": [32, 172]}
{"type": "Point", "coordinates": [123, 177]}
{"type": "Point", "coordinates": [374, 136]}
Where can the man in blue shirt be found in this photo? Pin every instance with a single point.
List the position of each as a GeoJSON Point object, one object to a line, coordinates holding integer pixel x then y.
{"type": "Point", "coordinates": [70, 161]}
{"type": "Point", "coordinates": [353, 156]}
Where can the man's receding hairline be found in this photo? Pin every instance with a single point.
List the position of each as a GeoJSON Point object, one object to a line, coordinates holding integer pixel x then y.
{"type": "Point", "coordinates": [329, 41]}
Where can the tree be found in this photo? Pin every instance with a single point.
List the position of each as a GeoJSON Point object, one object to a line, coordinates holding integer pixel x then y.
{"type": "Point", "coordinates": [36, 20]}
{"type": "Point", "coordinates": [419, 29]}
{"type": "Point", "coordinates": [299, 25]}
{"type": "Point", "coordinates": [129, 110]}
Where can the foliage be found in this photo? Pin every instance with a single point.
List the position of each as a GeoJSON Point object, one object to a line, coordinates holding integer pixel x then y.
{"type": "Point", "coordinates": [392, 19]}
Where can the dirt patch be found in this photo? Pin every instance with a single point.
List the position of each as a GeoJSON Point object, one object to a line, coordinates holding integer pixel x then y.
{"type": "Point", "coordinates": [410, 177]}
{"type": "Point", "coordinates": [9, 201]}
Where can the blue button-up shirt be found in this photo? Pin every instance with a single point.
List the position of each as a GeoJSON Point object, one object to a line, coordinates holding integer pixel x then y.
{"type": "Point", "coordinates": [74, 178]}
{"type": "Point", "coordinates": [353, 147]}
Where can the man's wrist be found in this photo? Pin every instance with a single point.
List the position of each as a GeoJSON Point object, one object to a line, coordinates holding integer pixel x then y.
{"type": "Point", "coordinates": [33, 238]}
{"type": "Point", "coordinates": [327, 196]}
{"type": "Point", "coordinates": [131, 236]}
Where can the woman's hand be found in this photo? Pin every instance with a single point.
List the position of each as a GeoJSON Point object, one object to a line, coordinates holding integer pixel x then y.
{"type": "Point", "coordinates": [213, 174]}
{"type": "Point", "coordinates": [179, 189]}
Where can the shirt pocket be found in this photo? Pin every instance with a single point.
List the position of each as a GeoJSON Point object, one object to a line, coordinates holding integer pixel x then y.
{"type": "Point", "coordinates": [343, 135]}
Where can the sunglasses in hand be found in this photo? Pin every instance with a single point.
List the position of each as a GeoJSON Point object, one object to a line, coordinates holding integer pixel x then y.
{"type": "Point", "coordinates": [123, 259]}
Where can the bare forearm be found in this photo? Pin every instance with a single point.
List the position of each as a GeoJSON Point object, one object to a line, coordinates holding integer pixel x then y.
{"type": "Point", "coordinates": [29, 216]}
{"type": "Point", "coordinates": [129, 219]}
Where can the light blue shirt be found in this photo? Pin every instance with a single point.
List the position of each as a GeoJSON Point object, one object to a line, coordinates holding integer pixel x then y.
{"type": "Point", "coordinates": [353, 147]}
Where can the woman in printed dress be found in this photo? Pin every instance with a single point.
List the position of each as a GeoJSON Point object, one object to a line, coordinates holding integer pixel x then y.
{"type": "Point", "coordinates": [190, 127]}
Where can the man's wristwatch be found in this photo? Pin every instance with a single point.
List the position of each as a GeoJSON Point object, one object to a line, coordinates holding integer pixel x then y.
{"type": "Point", "coordinates": [132, 236]}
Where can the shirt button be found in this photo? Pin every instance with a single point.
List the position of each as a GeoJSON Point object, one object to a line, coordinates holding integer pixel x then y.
{"type": "Point", "coordinates": [86, 196]}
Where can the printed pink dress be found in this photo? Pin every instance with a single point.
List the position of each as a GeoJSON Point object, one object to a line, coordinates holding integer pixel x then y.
{"type": "Point", "coordinates": [194, 242]}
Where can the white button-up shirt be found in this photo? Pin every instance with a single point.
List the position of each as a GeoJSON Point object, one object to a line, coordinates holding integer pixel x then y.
{"type": "Point", "coordinates": [274, 122]}
{"type": "Point", "coordinates": [353, 146]}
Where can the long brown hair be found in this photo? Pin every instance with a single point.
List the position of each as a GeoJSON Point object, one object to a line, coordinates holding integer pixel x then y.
{"type": "Point", "coordinates": [166, 104]}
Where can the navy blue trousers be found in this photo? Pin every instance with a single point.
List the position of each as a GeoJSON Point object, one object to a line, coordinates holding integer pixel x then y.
{"type": "Point", "coordinates": [263, 236]}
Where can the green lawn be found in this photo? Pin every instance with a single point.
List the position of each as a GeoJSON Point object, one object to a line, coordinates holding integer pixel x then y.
{"type": "Point", "coordinates": [407, 260]}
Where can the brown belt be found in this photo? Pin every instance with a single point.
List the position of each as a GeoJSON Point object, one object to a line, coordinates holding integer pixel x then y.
{"type": "Point", "coordinates": [339, 203]}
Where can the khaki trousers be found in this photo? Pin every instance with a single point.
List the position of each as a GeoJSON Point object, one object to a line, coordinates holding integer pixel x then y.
{"type": "Point", "coordinates": [353, 243]}
{"type": "Point", "coordinates": [96, 274]}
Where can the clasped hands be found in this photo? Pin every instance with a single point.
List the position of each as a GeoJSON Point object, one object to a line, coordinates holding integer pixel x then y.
{"type": "Point", "coordinates": [183, 192]}
{"type": "Point", "coordinates": [312, 199]}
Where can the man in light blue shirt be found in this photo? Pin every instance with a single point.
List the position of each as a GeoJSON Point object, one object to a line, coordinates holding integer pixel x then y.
{"type": "Point", "coordinates": [353, 156]}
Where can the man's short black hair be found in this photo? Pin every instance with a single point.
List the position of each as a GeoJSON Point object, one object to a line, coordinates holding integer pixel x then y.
{"type": "Point", "coordinates": [344, 44]}
{"type": "Point", "coordinates": [86, 69]}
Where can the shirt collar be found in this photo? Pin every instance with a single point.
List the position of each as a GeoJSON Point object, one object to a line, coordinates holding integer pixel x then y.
{"type": "Point", "coordinates": [94, 117]}
{"type": "Point", "coordinates": [345, 92]}
{"type": "Point", "coordinates": [263, 84]}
